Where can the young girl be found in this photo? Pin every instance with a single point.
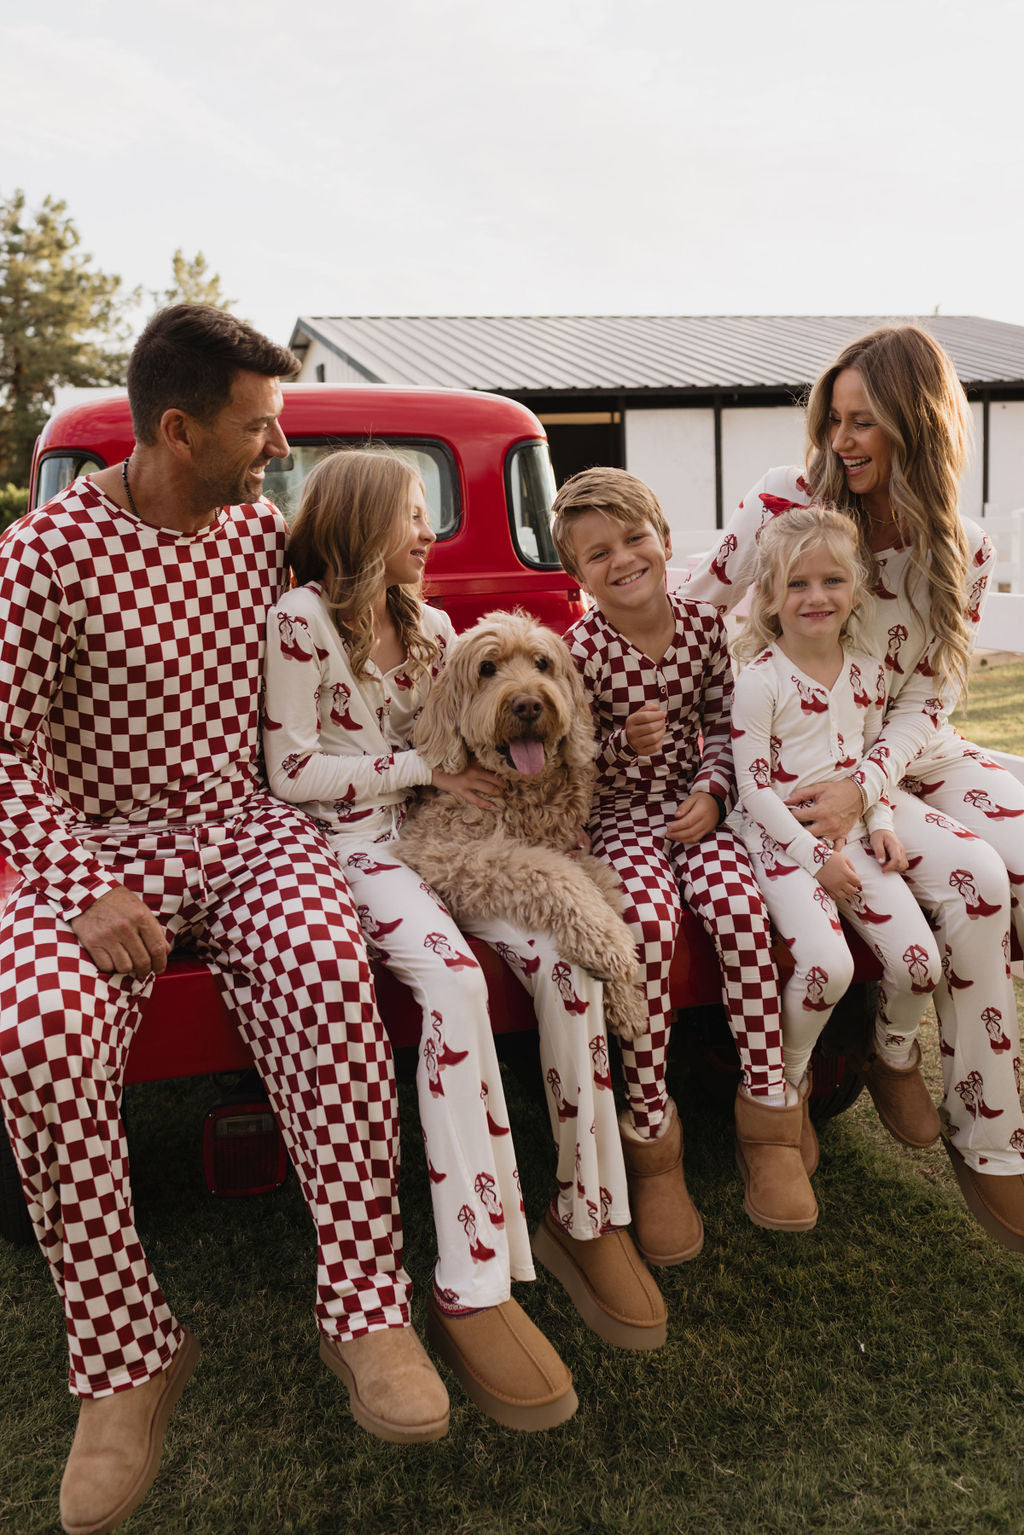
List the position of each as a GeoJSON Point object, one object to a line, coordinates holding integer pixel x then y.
{"type": "Point", "coordinates": [806, 709]}
{"type": "Point", "coordinates": [351, 655]}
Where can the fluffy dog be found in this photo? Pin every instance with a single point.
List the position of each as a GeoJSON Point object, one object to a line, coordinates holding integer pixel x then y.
{"type": "Point", "coordinates": [509, 698]}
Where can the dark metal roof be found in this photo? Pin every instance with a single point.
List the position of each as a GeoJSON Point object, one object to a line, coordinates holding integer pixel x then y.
{"type": "Point", "coordinates": [525, 354]}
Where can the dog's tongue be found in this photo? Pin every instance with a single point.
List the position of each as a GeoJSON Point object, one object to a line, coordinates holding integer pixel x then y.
{"type": "Point", "coordinates": [528, 756]}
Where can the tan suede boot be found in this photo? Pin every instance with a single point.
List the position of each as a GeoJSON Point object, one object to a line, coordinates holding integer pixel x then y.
{"type": "Point", "coordinates": [778, 1192]}
{"type": "Point", "coordinates": [607, 1282]}
{"type": "Point", "coordinates": [117, 1447]}
{"type": "Point", "coordinates": [810, 1152]}
{"type": "Point", "coordinates": [506, 1364]}
{"type": "Point", "coordinates": [902, 1099]}
{"type": "Point", "coordinates": [666, 1224]}
{"type": "Point", "coordinates": [393, 1388]}
{"type": "Point", "coordinates": [997, 1203]}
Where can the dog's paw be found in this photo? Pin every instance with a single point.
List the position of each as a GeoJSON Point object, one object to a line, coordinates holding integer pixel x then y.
{"type": "Point", "coordinates": [605, 878]}
{"type": "Point", "coordinates": [625, 1009]}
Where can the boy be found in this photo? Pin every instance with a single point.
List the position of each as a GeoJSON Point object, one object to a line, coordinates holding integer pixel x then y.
{"type": "Point", "coordinates": [657, 670]}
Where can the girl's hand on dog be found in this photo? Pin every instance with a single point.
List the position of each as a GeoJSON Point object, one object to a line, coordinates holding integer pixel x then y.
{"type": "Point", "coordinates": [645, 730]}
{"type": "Point", "coordinates": [474, 785]}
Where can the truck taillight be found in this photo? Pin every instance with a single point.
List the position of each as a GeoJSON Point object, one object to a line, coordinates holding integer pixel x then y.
{"type": "Point", "coordinates": [243, 1152]}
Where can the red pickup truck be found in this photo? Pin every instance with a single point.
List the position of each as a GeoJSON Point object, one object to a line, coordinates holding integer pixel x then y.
{"type": "Point", "coordinates": [487, 473]}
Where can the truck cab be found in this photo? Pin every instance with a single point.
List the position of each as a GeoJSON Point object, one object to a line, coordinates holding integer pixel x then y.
{"type": "Point", "coordinates": [483, 460]}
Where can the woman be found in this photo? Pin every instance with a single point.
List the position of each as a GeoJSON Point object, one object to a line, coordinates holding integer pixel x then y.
{"type": "Point", "coordinates": [888, 430]}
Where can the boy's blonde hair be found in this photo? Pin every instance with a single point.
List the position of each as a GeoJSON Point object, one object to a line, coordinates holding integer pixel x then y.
{"type": "Point", "coordinates": [781, 545]}
{"type": "Point", "coordinates": [616, 494]}
{"type": "Point", "coordinates": [352, 505]}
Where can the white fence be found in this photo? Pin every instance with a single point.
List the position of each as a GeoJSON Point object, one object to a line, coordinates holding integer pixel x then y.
{"type": "Point", "coordinates": [1002, 628]}
{"type": "Point", "coordinates": [1006, 530]}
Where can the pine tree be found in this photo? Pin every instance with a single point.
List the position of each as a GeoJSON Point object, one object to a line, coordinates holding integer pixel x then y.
{"type": "Point", "coordinates": [61, 322]}
{"type": "Point", "coordinates": [193, 283]}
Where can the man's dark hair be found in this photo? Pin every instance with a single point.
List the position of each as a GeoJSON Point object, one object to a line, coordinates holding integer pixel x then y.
{"type": "Point", "coordinates": [186, 359]}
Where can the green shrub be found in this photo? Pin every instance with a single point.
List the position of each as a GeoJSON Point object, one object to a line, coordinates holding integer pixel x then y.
{"type": "Point", "coordinates": [13, 503]}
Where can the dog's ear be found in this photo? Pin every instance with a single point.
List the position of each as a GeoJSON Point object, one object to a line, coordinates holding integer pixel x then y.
{"type": "Point", "coordinates": [436, 734]}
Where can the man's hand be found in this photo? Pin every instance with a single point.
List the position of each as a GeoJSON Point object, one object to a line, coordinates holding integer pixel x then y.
{"type": "Point", "coordinates": [645, 730]}
{"type": "Point", "coordinates": [696, 816]}
{"type": "Point", "coordinates": [828, 810]}
{"type": "Point", "coordinates": [120, 934]}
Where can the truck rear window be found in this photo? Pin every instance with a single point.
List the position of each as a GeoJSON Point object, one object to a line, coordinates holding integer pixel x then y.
{"type": "Point", "coordinates": [432, 461]}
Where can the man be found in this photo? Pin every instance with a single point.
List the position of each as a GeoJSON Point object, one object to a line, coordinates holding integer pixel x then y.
{"type": "Point", "coordinates": [132, 612]}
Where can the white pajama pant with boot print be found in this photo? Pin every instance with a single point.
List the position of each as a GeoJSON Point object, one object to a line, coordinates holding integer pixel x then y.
{"type": "Point", "coordinates": [888, 918]}
{"type": "Point", "coordinates": [970, 888]}
{"type": "Point", "coordinates": [715, 880]}
{"type": "Point", "coordinates": [482, 1235]}
{"type": "Point", "coordinates": [260, 898]}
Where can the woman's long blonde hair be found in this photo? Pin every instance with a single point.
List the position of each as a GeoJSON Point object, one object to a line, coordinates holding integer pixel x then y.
{"type": "Point", "coordinates": [353, 505]}
{"type": "Point", "coordinates": [916, 398]}
{"type": "Point", "coordinates": [782, 544]}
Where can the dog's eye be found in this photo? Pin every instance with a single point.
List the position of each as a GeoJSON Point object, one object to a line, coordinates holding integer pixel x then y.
{"type": "Point", "coordinates": [542, 663]}
{"type": "Point", "coordinates": [487, 668]}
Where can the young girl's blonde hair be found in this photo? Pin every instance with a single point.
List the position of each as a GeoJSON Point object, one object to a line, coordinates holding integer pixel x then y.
{"type": "Point", "coordinates": [916, 398]}
{"type": "Point", "coordinates": [354, 505]}
{"type": "Point", "coordinates": [782, 544]}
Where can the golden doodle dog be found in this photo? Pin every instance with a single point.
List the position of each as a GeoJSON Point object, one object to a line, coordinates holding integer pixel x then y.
{"type": "Point", "coordinates": [510, 699]}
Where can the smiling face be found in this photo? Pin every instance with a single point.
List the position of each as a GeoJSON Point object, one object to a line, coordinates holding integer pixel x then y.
{"type": "Point", "coordinates": [406, 561]}
{"type": "Point", "coordinates": [816, 601]}
{"type": "Point", "coordinates": [857, 439]}
{"type": "Point", "coordinates": [622, 566]}
{"type": "Point", "coordinates": [230, 454]}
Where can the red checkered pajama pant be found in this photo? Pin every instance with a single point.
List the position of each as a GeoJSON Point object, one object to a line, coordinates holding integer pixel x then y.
{"type": "Point", "coordinates": [262, 900]}
{"type": "Point", "coordinates": [715, 880]}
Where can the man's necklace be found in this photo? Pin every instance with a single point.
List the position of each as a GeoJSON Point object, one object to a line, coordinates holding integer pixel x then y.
{"type": "Point", "coordinates": [128, 490]}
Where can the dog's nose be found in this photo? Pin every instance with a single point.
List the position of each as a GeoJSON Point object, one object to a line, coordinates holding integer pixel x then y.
{"type": "Point", "coordinates": [526, 707]}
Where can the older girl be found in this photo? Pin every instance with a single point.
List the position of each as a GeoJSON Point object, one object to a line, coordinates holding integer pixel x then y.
{"type": "Point", "coordinates": [888, 430]}
{"type": "Point", "coordinates": [351, 655]}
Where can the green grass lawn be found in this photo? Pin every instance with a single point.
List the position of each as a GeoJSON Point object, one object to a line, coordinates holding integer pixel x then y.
{"type": "Point", "coordinates": [993, 713]}
{"type": "Point", "coordinates": [866, 1377]}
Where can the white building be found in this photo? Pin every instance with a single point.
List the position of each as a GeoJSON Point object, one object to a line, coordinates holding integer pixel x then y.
{"type": "Point", "coordinates": [697, 405]}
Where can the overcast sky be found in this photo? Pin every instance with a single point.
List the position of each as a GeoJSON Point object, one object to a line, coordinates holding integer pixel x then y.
{"type": "Point", "coordinates": [544, 156]}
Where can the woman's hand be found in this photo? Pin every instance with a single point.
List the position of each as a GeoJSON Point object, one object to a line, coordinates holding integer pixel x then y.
{"type": "Point", "coordinates": [474, 785]}
{"type": "Point", "coordinates": [828, 810]}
